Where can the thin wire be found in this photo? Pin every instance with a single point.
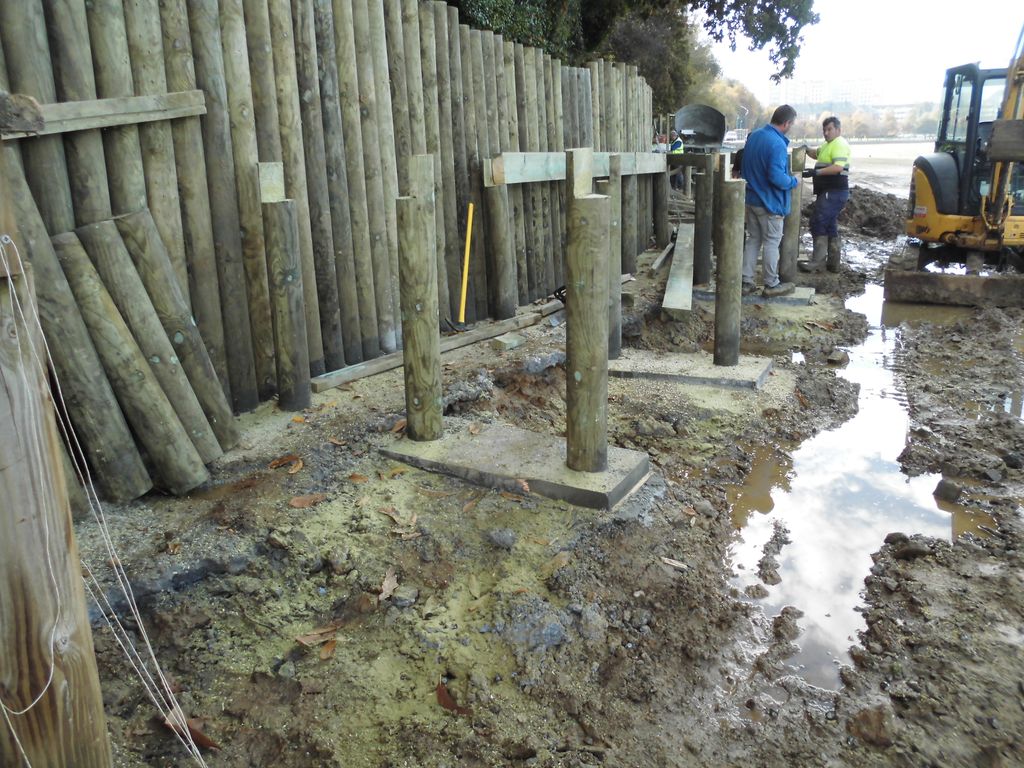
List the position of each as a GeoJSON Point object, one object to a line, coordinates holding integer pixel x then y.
{"type": "Point", "coordinates": [160, 694]}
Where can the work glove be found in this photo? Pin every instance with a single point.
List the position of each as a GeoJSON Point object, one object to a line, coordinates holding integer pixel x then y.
{"type": "Point", "coordinates": [809, 173]}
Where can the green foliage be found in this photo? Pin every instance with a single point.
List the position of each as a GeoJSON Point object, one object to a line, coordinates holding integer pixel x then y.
{"type": "Point", "coordinates": [553, 25]}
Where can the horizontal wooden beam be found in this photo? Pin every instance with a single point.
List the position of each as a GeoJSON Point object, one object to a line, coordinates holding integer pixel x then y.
{"type": "Point", "coordinates": [529, 167]}
{"type": "Point", "coordinates": [958, 290]}
{"type": "Point", "coordinates": [68, 116]}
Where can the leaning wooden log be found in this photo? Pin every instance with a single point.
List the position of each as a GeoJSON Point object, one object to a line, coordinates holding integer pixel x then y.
{"type": "Point", "coordinates": [189, 155]}
{"type": "Point", "coordinates": [142, 22]}
{"type": "Point", "coordinates": [220, 175]}
{"type": "Point", "coordinates": [348, 91]}
{"type": "Point", "coordinates": [147, 252]}
{"type": "Point", "coordinates": [155, 424]}
{"type": "Point", "coordinates": [73, 75]}
{"type": "Point", "coordinates": [87, 395]}
{"type": "Point", "coordinates": [109, 256]}
{"type": "Point", "coordinates": [27, 54]}
{"type": "Point", "coordinates": [294, 158]}
{"type": "Point", "coordinates": [422, 352]}
{"type": "Point", "coordinates": [53, 706]}
{"type": "Point", "coordinates": [282, 235]}
{"type": "Point", "coordinates": [241, 113]}
{"type": "Point", "coordinates": [337, 182]}
{"type": "Point", "coordinates": [315, 151]}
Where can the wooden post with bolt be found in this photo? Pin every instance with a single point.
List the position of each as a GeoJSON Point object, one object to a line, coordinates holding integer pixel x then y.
{"type": "Point", "coordinates": [417, 273]}
{"type": "Point", "coordinates": [791, 225]}
{"type": "Point", "coordinates": [586, 342]}
{"type": "Point", "coordinates": [729, 275]}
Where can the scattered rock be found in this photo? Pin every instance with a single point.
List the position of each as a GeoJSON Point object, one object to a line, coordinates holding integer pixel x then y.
{"type": "Point", "coordinates": [947, 490]}
{"type": "Point", "coordinates": [838, 357]}
{"type": "Point", "coordinates": [912, 548]}
{"type": "Point", "coordinates": [405, 596]}
{"type": "Point", "coordinates": [1013, 460]}
{"type": "Point", "coordinates": [503, 538]}
{"type": "Point", "coordinates": [756, 592]}
{"type": "Point", "coordinates": [872, 725]}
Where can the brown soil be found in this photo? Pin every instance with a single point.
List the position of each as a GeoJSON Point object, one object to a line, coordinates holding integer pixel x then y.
{"type": "Point", "coordinates": [558, 635]}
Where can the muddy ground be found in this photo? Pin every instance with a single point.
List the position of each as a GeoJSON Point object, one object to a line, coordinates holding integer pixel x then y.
{"type": "Point", "coordinates": [528, 632]}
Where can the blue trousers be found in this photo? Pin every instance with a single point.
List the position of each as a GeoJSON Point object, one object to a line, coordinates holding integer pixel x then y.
{"type": "Point", "coordinates": [827, 207]}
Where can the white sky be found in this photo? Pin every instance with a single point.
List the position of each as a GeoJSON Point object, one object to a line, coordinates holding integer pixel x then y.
{"type": "Point", "coordinates": [903, 46]}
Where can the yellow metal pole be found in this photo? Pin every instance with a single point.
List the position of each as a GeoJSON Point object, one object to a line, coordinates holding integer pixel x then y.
{"type": "Point", "coordinates": [465, 265]}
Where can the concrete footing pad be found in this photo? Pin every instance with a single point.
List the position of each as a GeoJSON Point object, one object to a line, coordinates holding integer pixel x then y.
{"type": "Point", "coordinates": [800, 296]}
{"type": "Point", "coordinates": [691, 368]}
{"type": "Point", "coordinates": [499, 456]}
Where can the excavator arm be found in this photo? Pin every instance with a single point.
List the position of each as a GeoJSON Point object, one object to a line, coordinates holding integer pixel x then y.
{"type": "Point", "coordinates": [1006, 146]}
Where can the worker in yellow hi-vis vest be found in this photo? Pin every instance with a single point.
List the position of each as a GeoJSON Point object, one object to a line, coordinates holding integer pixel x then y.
{"type": "Point", "coordinates": [831, 179]}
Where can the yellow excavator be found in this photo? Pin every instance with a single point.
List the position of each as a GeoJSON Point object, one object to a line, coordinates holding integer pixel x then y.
{"type": "Point", "coordinates": [967, 198]}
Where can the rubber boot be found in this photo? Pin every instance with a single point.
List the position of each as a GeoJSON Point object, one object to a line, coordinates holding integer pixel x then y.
{"type": "Point", "coordinates": [818, 255]}
{"type": "Point", "coordinates": [835, 253]}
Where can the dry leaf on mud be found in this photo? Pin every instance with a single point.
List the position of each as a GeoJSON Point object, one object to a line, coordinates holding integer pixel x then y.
{"type": "Point", "coordinates": [391, 474]}
{"type": "Point", "coordinates": [337, 442]}
{"type": "Point", "coordinates": [307, 501]}
{"type": "Point", "coordinates": [194, 728]}
{"type": "Point", "coordinates": [399, 426]}
{"type": "Point", "coordinates": [295, 467]}
{"type": "Point", "coordinates": [320, 635]}
{"type": "Point", "coordinates": [468, 506]}
{"type": "Point", "coordinates": [299, 419]}
{"type": "Point", "coordinates": [280, 461]}
{"type": "Point", "coordinates": [446, 700]}
{"type": "Point", "coordinates": [389, 585]}
{"type": "Point", "coordinates": [803, 400]}
{"type": "Point", "coordinates": [328, 650]}
{"type": "Point", "coordinates": [355, 477]}
{"type": "Point", "coordinates": [474, 428]}
{"type": "Point", "coordinates": [511, 496]}
{"type": "Point", "coordinates": [474, 586]}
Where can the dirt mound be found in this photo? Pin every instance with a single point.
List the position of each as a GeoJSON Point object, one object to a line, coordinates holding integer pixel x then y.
{"type": "Point", "coordinates": [875, 214]}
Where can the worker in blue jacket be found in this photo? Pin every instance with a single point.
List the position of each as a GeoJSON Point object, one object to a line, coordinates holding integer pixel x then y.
{"type": "Point", "coordinates": [766, 170]}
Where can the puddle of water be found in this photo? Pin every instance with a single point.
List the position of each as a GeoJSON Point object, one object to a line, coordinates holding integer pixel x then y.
{"type": "Point", "coordinates": [842, 494]}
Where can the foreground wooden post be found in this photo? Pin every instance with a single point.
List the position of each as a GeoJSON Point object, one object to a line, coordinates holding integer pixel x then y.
{"type": "Point", "coordinates": [703, 218]}
{"type": "Point", "coordinates": [417, 272]}
{"type": "Point", "coordinates": [41, 595]}
{"type": "Point", "coordinates": [281, 232]}
{"type": "Point", "coordinates": [729, 276]}
{"type": "Point", "coordinates": [586, 344]}
{"type": "Point", "coordinates": [791, 226]}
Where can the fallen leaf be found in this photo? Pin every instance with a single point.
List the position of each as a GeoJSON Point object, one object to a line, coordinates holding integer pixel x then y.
{"type": "Point", "coordinates": [280, 461]}
{"type": "Point", "coordinates": [468, 506]}
{"type": "Point", "coordinates": [511, 496]}
{"type": "Point", "coordinates": [355, 477]}
{"type": "Point", "coordinates": [474, 428]}
{"type": "Point", "coordinates": [399, 426]}
{"type": "Point", "coordinates": [320, 635]}
{"type": "Point", "coordinates": [295, 467]}
{"type": "Point", "coordinates": [388, 586]}
{"type": "Point", "coordinates": [523, 484]}
{"type": "Point", "coordinates": [307, 501]}
{"type": "Point", "coordinates": [328, 650]}
{"type": "Point", "coordinates": [193, 729]}
{"type": "Point", "coordinates": [474, 585]}
{"type": "Point", "coordinates": [336, 441]}
{"type": "Point", "coordinates": [299, 419]}
{"type": "Point", "coordinates": [393, 473]}
{"type": "Point", "coordinates": [803, 400]}
{"type": "Point", "coordinates": [393, 514]}
{"type": "Point", "coordinates": [445, 699]}
{"type": "Point", "coordinates": [173, 547]}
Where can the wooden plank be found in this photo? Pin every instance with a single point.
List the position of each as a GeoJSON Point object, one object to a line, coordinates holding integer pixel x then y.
{"type": "Point", "coordinates": [531, 167]}
{"type": "Point", "coordinates": [679, 288]}
{"type": "Point", "coordinates": [957, 290]}
{"type": "Point", "coordinates": [69, 116]}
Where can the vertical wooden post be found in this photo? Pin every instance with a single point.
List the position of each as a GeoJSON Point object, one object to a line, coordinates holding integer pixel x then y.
{"type": "Point", "coordinates": [220, 175]}
{"type": "Point", "coordinates": [476, 134]}
{"type": "Point", "coordinates": [281, 231]}
{"type": "Point", "coordinates": [142, 23]}
{"type": "Point", "coordinates": [397, 69]}
{"type": "Point", "coordinates": [586, 344]}
{"type": "Point", "coordinates": [325, 268]}
{"type": "Point", "coordinates": [721, 174]}
{"type": "Point", "coordinates": [138, 231]}
{"type": "Point", "coordinates": [370, 117]}
{"type": "Point", "coordinates": [241, 118]}
{"type": "Point", "coordinates": [153, 420]}
{"type": "Point", "coordinates": [432, 124]}
{"type": "Point", "coordinates": [43, 612]}
{"type": "Point", "coordinates": [448, 199]}
{"type": "Point", "coordinates": [597, 108]}
{"type": "Point", "coordinates": [337, 184]}
{"type": "Point", "coordinates": [293, 154]}
{"type": "Point", "coordinates": [586, 109]}
{"type": "Point", "coordinates": [526, 133]}
{"type": "Point", "coordinates": [264, 93]}
{"type": "Point", "coordinates": [418, 264]}
{"type": "Point", "coordinates": [662, 230]}
{"type": "Point", "coordinates": [729, 275]}
{"type": "Point", "coordinates": [556, 143]}
{"type": "Point", "coordinates": [791, 225]}
{"type": "Point", "coordinates": [348, 89]}
{"type": "Point", "coordinates": [516, 193]}
{"type": "Point", "coordinates": [89, 398]}
{"type": "Point", "coordinates": [190, 158]}
{"type": "Point", "coordinates": [414, 77]}
{"type": "Point", "coordinates": [703, 217]}
{"type": "Point", "coordinates": [614, 192]}
{"type": "Point", "coordinates": [547, 199]}
{"type": "Point", "coordinates": [461, 150]}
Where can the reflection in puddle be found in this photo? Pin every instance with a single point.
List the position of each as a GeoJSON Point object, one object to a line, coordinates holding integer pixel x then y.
{"type": "Point", "coordinates": [842, 494]}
